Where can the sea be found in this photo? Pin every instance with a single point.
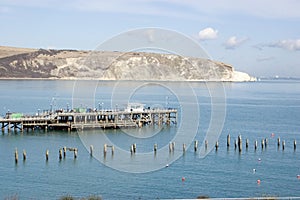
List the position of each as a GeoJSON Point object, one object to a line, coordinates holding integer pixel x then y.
{"type": "Point", "coordinates": [266, 110]}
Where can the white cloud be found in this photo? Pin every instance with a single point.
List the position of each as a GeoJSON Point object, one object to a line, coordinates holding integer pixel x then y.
{"type": "Point", "coordinates": [208, 34]}
{"type": "Point", "coordinates": [234, 42]}
{"type": "Point", "coordinates": [292, 45]}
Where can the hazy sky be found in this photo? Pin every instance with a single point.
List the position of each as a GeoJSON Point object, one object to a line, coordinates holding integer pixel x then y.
{"type": "Point", "coordinates": [261, 37]}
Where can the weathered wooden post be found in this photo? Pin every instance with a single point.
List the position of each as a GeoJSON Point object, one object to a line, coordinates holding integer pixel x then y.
{"type": "Point", "coordinates": [195, 145]}
{"type": "Point", "coordinates": [16, 156]}
{"type": "Point", "coordinates": [75, 153]}
{"type": "Point", "coordinates": [217, 145]}
{"type": "Point", "coordinates": [112, 150]}
{"type": "Point", "coordinates": [266, 142]}
{"type": "Point", "coordinates": [47, 155]}
{"type": "Point", "coordinates": [255, 144]}
{"type": "Point", "coordinates": [104, 149]}
{"type": "Point", "coordinates": [183, 147]}
{"type": "Point", "coordinates": [91, 150]}
{"type": "Point", "coordinates": [235, 144]}
{"type": "Point", "coordinates": [228, 140]}
{"type": "Point", "coordinates": [60, 154]}
{"type": "Point", "coordinates": [24, 155]}
{"type": "Point", "coordinates": [173, 146]}
{"type": "Point", "coordinates": [170, 147]}
{"type": "Point", "coordinates": [155, 148]}
{"type": "Point", "coordinates": [240, 143]}
{"type": "Point", "coordinates": [65, 151]}
{"type": "Point", "coordinates": [131, 149]}
{"type": "Point", "coordinates": [134, 148]}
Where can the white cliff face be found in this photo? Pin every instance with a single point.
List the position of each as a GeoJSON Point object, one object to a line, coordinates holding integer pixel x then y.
{"type": "Point", "coordinates": [70, 64]}
{"type": "Point", "coordinates": [241, 76]}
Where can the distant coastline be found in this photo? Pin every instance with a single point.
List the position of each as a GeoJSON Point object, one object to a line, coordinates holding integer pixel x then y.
{"type": "Point", "coordinates": [50, 64]}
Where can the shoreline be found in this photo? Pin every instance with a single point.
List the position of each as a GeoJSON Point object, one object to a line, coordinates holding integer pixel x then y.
{"type": "Point", "coordinates": [95, 79]}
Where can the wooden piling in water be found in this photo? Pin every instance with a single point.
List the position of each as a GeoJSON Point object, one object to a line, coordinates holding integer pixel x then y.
{"type": "Point", "coordinates": [131, 149]}
{"type": "Point", "coordinates": [16, 156]}
{"type": "Point", "coordinates": [183, 147]}
{"type": "Point", "coordinates": [228, 140]}
{"type": "Point", "coordinates": [134, 148]}
{"type": "Point", "coordinates": [195, 145]}
{"type": "Point", "coordinates": [65, 151]}
{"type": "Point", "coordinates": [75, 153]}
{"type": "Point", "coordinates": [217, 145]}
{"type": "Point", "coordinates": [240, 145]}
{"type": "Point", "coordinates": [91, 150]}
{"type": "Point", "coordinates": [104, 149]}
{"type": "Point", "coordinates": [235, 144]}
{"type": "Point", "coordinates": [266, 142]}
{"type": "Point", "coordinates": [60, 154]}
{"type": "Point", "coordinates": [24, 155]}
{"type": "Point", "coordinates": [155, 148]}
{"type": "Point", "coordinates": [112, 150]}
{"type": "Point", "coordinates": [47, 155]}
{"type": "Point", "coordinates": [173, 146]}
{"type": "Point", "coordinates": [255, 144]}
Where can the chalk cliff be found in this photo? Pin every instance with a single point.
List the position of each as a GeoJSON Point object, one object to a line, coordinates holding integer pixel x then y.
{"type": "Point", "coordinates": [102, 65]}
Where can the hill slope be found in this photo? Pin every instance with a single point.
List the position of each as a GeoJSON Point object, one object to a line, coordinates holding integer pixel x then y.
{"type": "Point", "coordinates": [73, 64]}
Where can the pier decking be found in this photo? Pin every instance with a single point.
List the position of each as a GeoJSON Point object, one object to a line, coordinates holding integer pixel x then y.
{"type": "Point", "coordinates": [70, 120]}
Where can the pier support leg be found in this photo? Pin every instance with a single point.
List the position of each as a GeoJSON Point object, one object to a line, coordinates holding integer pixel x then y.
{"type": "Point", "coordinates": [8, 127]}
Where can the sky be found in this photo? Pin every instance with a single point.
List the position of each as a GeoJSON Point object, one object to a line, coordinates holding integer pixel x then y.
{"type": "Point", "coordinates": [260, 37]}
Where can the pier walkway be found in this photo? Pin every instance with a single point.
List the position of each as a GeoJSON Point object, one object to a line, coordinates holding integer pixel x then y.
{"type": "Point", "coordinates": [70, 120]}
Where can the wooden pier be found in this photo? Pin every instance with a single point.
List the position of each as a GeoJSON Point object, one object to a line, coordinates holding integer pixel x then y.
{"type": "Point", "coordinates": [70, 120]}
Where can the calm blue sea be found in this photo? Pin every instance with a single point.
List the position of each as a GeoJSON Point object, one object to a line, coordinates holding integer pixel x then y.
{"type": "Point", "coordinates": [265, 109]}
